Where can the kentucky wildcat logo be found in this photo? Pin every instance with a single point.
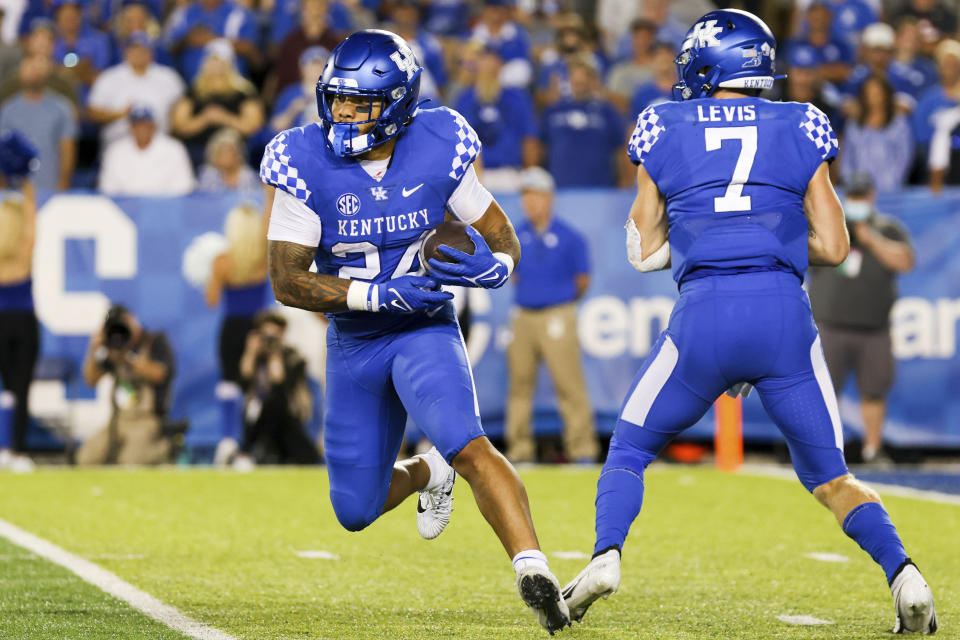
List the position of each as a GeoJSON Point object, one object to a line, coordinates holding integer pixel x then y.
{"type": "Point", "coordinates": [348, 204]}
{"type": "Point", "coordinates": [704, 35]}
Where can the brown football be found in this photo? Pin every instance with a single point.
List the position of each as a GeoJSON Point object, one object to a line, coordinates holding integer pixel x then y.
{"type": "Point", "coordinates": [451, 233]}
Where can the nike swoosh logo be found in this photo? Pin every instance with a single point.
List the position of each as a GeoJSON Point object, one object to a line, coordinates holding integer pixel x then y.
{"type": "Point", "coordinates": [406, 193]}
{"type": "Point", "coordinates": [420, 508]}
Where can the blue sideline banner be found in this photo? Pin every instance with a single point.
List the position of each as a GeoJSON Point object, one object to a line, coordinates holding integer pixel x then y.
{"type": "Point", "coordinates": [92, 249]}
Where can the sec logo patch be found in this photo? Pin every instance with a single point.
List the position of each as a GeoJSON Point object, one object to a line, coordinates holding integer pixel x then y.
{"type": "Point", "coordinates": [348, 204]}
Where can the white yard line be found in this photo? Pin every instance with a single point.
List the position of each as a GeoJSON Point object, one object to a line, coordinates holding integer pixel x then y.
{"type": "Point", "coordinates": [110, 583]}
{"type": "Point", "coordinates": [802, 620]}
{"type": "Point", "coordinates": [317, 554]}
{"type": "Point", "coordinates": [786, 473]}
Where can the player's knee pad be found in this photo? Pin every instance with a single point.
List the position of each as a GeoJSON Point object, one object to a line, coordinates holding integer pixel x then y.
{"type": "Point", "coordinates": [626, 455]}
{"type": "Point", "coordinates": [353, 511]}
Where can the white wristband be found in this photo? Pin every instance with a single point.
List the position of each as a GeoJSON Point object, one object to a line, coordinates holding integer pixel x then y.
{"type": "Point", "coordinates": [357, 296]}
{"type": "Point", "coordinates": [506, 259]}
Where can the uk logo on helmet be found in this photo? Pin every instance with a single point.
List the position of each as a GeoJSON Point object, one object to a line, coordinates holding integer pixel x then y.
{"type": "Point", "coordinates": [348, 204]}
{"type": "Point", "coordinates": [405, 61]}
{"type": "Point", "coordinates": [705, 34]}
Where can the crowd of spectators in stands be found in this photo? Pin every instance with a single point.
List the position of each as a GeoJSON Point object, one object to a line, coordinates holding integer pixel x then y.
{"type": "Point", "coordinates": [104, 88]}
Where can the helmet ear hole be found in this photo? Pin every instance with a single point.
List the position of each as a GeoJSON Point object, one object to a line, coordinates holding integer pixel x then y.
{"type": "Point", "coordinates": [703, 71]}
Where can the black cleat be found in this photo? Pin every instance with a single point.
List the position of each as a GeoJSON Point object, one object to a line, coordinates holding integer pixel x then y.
{"type": "Point", "coordinates": [541, 592]}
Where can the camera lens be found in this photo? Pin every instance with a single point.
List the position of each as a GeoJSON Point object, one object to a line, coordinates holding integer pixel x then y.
{"type": "Point", "coordinates": [117, 336]}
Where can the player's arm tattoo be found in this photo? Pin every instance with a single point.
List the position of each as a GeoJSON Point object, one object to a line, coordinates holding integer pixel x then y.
{"type": "Point", "coordinates": [496, 229]}
{"type": "Point", "coordinates": [295, 286]}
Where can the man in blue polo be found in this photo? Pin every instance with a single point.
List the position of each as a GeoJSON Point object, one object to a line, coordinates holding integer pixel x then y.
{"type": "Point", "coordinates": [553, 276]}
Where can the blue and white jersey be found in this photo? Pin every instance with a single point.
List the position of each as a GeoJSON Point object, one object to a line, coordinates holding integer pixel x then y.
{"type": "Point", "coordinates": [734, 174]}
{"type": "Point", "coordinates": [372, 230]}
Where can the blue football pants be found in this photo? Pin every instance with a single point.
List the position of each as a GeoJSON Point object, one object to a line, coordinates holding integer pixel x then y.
{"type": "Point", "coordinates": [749, 327]}
{"type": "Point", "coordinates": [372, 385]}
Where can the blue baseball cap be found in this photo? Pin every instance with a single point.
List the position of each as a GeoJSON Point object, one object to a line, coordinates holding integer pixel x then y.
{"type": "Point", "coordinates": [141, 113]}
{"type": "Point", "coordinates": [803, 56]}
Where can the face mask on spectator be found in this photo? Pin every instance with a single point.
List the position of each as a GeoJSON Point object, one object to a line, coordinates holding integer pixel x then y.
{"type": "Point", "coordinates": [857, 210]}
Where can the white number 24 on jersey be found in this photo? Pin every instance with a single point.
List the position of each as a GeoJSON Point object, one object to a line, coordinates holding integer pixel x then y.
{"type": "Point", "coordinates": [371, 259]}
{"type": "Point", "coordinates": [732, 199]}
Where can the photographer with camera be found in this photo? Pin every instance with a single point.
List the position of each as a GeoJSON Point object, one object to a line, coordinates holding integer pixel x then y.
{"type": "Point", "coordinates": [142, 365]}
{"type": "Point", "coordinates": [278, 400]}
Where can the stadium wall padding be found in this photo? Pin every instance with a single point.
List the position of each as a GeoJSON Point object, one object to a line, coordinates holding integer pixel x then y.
{"type": "Point", "coordinates": [91, 248]}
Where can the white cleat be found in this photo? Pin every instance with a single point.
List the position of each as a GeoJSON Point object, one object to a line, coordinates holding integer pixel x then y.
{"type": "Point", "coordinates": [540, 590]}
{"type": "Point", "coordinates": [226, 450]}
{"type": "Point", "coordinates": [913, 601]}
{"type": "Point", "coordinates": [599, 579]}
{"type": "Point", "coordinates": [22, 464]}
{"type": "Point", "coordinates": [242, 463]}
{"type": "Point", "coordinates": [434, 507]}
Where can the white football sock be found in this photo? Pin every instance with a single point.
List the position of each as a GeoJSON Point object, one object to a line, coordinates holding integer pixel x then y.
{"type": "Point", "coordinates": [529, 559]}
{"type": "Point", "coordinates": [438, 468]}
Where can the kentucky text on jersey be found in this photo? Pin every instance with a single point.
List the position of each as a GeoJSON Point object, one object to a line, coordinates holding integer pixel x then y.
{"type": "Point", "coordinates": [371, 229]}
{"type": "Point", "coordinates": [379, 225]}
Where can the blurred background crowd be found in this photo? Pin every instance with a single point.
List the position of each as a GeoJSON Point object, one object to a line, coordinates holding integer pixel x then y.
{"type": "Point", "coordinates": [118, 94]}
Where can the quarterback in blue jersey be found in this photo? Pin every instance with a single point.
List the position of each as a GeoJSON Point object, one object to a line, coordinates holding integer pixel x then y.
{"type": "Point", "coordinates": [734, 193]}
{"type": "Point", "coordinates": [355, 195]}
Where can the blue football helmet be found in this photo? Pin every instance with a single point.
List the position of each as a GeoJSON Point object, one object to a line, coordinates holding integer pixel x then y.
{"type": "Point", "coordinates": [377, 65]}
{"type": "Point", "coordinates": [728, 48]}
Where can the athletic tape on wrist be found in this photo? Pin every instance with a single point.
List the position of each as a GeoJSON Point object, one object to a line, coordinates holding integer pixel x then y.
{"type": "Point", "coordinates": [506, 259]}
{"type": "Point", "coordinates": [358, 296]}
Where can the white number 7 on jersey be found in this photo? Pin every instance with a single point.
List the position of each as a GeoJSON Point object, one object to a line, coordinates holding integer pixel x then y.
{"type": "Point", "coordinates": [732, 200]}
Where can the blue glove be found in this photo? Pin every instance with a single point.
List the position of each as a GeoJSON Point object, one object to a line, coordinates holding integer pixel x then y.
{"type": "Point", "coordinates": [482, 269]}
{"type": "Point", "coordinates": [406, 294]}
{"type": "Point", "coordinates": [18, 156]}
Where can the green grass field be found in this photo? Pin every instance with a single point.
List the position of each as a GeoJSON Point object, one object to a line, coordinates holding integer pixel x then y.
{"type": "Point", "coordinates": [711, 556]}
